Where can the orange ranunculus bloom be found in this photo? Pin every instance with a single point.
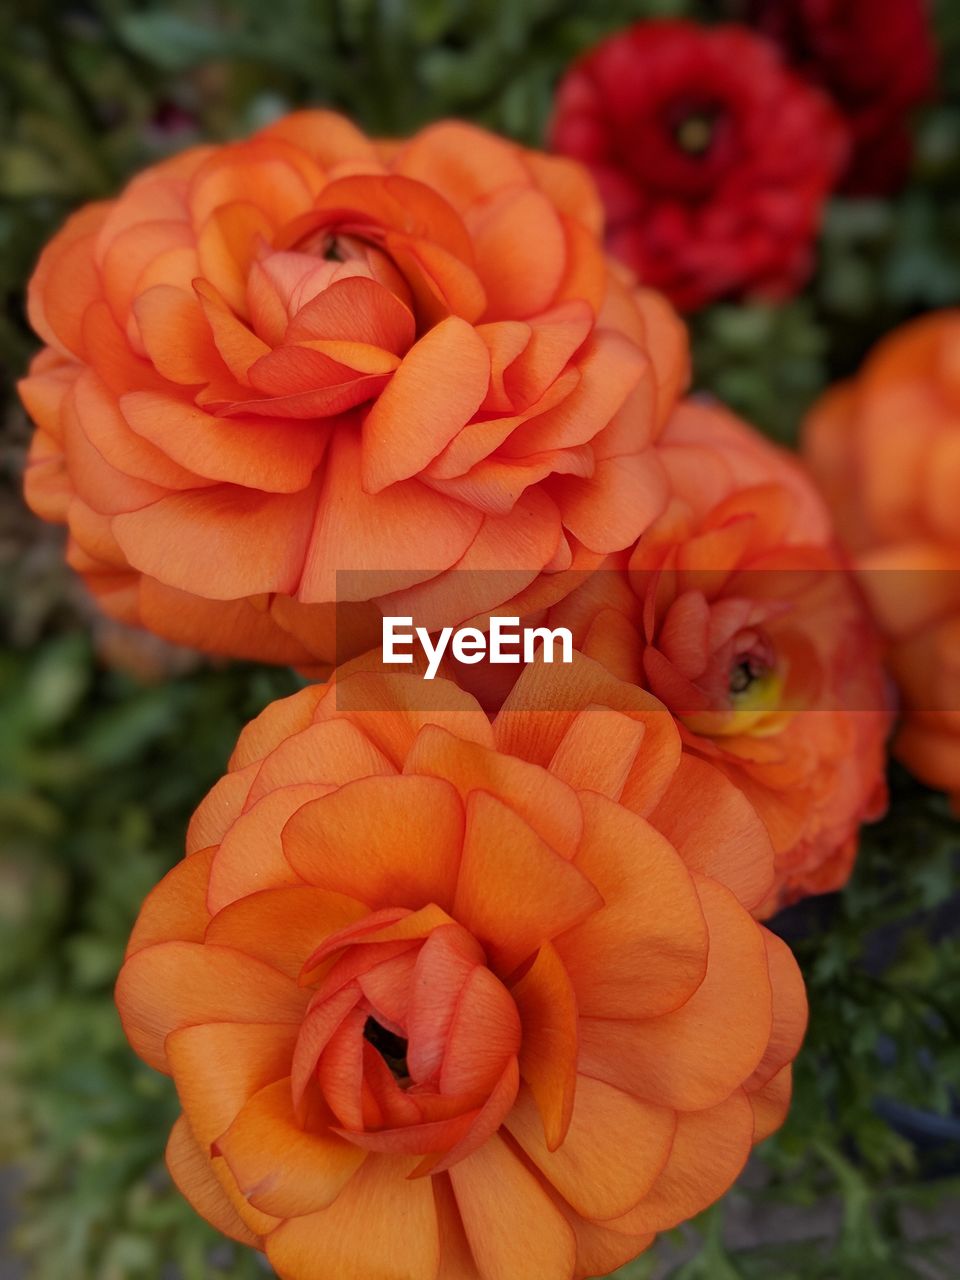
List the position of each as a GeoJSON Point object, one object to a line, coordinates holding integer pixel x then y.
{"type": "Point", "coordinates": [886, 450]}
{"type": "Point", "coordinates": [311, 352]}
{"type": "Point", "coordinates": [452, 1000]}
{"type": "Point", "coordinates": [735, 609]}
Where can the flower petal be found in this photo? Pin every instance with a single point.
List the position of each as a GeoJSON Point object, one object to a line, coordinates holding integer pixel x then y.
{"type": "Point", "coordinates": [181, 984]}
{"type": "Point", "coordinates": [194, 1178]}
{"type": "Point", "coordinates": [721, 836]}
{"type": "Point", "coordinates": [511, 1225]}
{"type": "Point", "coordinates": [709, 1151]}
{"type": "Point", "coordinates": [351, 842]}
{"type": "Point", "coordinates": [612, 1154]}
{"type": "Point", "coordinates": [381, 1224]}
{"type": "Point", "coordinates": [696, 1056]}
{"type": "Point", "coordinates": [437, 389]}
{"type": "Point", "coordinates": [651, 920]}
{"type": "Point", "coordinates": [547, 1005]}
{"type": "Point", "coordinates": [281, 1168]}
{"type": "Point", "coordinates": [514, 892]}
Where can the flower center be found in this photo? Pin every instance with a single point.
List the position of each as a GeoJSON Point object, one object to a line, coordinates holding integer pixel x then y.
{"type": "Point", "coordinates": [694, 134]}
{"type": "Point", "coordinates": [744, 673]}
{"type": "Point", "coordinates": [334, 247]}
{"type": "Point", "coordinates": [391, 1048]}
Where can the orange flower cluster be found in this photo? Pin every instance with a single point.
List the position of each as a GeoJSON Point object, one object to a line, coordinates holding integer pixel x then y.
{"type": "Point", "coordinates": [265, 359]}
{"type": "Point", "coordinates": [451, 999]}
{"type": "Point", "coordinates": [886, 450]}
{"type": "Point", "coordinates": [736, 610]}
{"type": "Point", "coordinates": [453, 988]}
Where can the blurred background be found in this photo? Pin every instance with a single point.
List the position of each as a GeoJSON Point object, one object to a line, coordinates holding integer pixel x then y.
{"type": "Point", "coordinates": [108, 739]}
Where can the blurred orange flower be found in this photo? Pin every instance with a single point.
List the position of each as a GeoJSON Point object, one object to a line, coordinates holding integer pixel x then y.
{"type": "Point", "coordinates": [311, 352]}
{"type": "Point", "coordinates": [451, 999]}
{"type": "Point", "coordinates": [886, 449]}
{"type": "Point", "coordinates": [736, 610]}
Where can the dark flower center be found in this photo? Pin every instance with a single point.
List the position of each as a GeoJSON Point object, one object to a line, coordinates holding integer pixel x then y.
{"type": "Point", "coordinates": [745, 673]}
{"type": "Point", "coordinates": [332, 250]}
{"type": "Point", "coordinates": [391, 1048]}
{"type": "Point", "coordinates": [694, 134]}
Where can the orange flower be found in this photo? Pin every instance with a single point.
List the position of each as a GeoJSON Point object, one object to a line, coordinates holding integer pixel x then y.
{"type": "Point", "coordinates": [310, 352]}
{"type": "Point", "coordinates": [886, 450]}
{"type": "Point", "coordinates": [735, 610]}
{"type": "Point", "coordinates": [452, 1000]}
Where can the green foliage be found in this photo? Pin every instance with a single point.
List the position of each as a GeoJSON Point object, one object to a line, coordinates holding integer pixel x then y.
{"type": "Point", "coordinates": [98, 774]}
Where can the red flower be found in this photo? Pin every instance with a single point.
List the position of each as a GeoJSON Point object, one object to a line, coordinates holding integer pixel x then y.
{"type": "Point", "coordinates": [876, 58]}
{"type": "Point", "coordinates": [712, 158]}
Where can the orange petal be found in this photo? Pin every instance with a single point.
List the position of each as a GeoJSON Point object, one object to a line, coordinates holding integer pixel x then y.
{"type": "Point", "coordinates": [504, 1209]}
{"type": "Point", "coordinates": [226, 244]}
{"type": "Point", "coordinates": [355, 310]}
{"type": "Point", "coordinates": [176, 909]}
{"type": "Point", "coordinates": [282, 927]}
{"type": "Point", "coordinates": [179, 984]}
{"type": "Point", "coordinates": [491, 1116]}
{"type": "Point", "coordinates": [616, 504]}
{"type": "Point", "coordinates": [600, 1251]}
{"type": "Point", "coordinates": [351, 554]}
{"type": "Point", "coordinates": [709, 1151]}
{"type": "Point", "coordinates": [320, 1025]}
{"type": "Point", "coordinates": [462, 162]}
{"type": "Point", "coordinates": [381, 1224]}
{"type": "Point", "coordinates": [238, 345]}
{"type": "Point", "coordinates": [444, 963]}
{"type": "Point", "coordinates": [219, 1066]}
{"type": "Point", "coordinates": [331, 398]}
{"type": "Point", "coordinates": [222, 542]}
{"type": "Point", "coordinates": [277, 457]}
{"type": "Point", "coordinates": [555, 336]}
{"type": "Point", "coordinates": [235, 629]}
{"type": "Point", "coordinates": [651, 920]}
{"type": "Point", "coordinates": [110, 434]}
{"type": "Point", "coordinates": [789, 1012]}
{"type": "Point", "coordinates": [219, 809]}
{"type": "Point", "coordinates": [195, 1180]}
{"type": "Point", "coordinates": [610, 368]}
{"type": "Point", "coordinates": [456, 1260]}
{"type": "Point", "coordinates": [56, 313]}
{"type": "Point", "coordinates": [545, 702]}
{"type": "Point", "coordinates": [770, 1103]}
{"type": "Point", "coordinates": [437, 389]}
{"type": "Point", "coordinates": [484, 1033]}
{"type": "Point", "coordinates": [131, 252]}
{"type": "Point", "coordinates": [282, 1169]}
{"type": "Point", "coordinates": [699, 1054]}
{"type": "Point", "coordinates": [547, 1006]}
{"type": "Point", "coordinates": [668, 342]}
{"type": "Point", "coordinates": [328, 137]}
{"type": "Point", "coordinates": [551, 808]}
{"type": "Point", "coordinates": [514, 892]}
{"type": "Point", "coordinates": [266, 170]}
{"type": "Point", "coordinates": [176, 335]}
{"type": "Point", "coordinates": [277, 722]}
{"type": "Point", "coordinates": [332, 752]}
{"type": "Point", "coordinates": [364, 695]}
{"type": "Point", "coordinates": [569, 186]}
{"type": "Point", "coordinates": [598, 751]}
{"type": "Point", "coordinates": [250, 857]}
{"type": "Point", "coordinates": [350, 841]}
{"type": "Point", "coordinates": [613, 1152]}
{"type": "Point", "coordinates": [722, 836]}
{"type": "Point", "coordinates": [504, 557]}
{"type": "Point", "coordinates": [520, 249]}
